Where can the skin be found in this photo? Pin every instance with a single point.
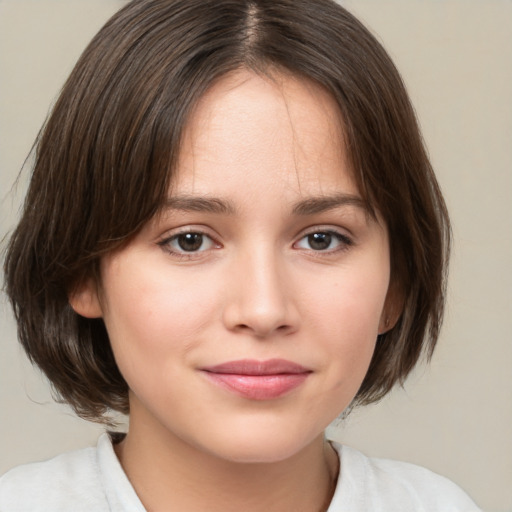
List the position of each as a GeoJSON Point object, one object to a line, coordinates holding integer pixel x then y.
{"type": "Point", "coordinates": [265, 154]}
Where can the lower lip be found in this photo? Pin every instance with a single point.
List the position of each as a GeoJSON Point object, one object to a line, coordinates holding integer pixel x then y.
{"type": "Point", "coordinates": [258, 387]}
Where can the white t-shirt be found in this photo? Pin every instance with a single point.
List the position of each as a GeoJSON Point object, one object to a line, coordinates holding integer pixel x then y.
{"type": "Point", "coordinates": [92, 480]}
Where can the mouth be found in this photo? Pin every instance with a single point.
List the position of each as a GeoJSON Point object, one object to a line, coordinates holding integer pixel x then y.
{"type": "Point", "coordinates": [258, 380]}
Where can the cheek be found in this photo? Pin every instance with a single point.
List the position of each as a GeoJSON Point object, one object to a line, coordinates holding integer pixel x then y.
{"type": "Point", "coordinates": [353, 303]}
{"type": "Point", "coordinates": [346, 319]}
{"type": "Point", "coordinates": [154, 320]}
{"type": "Point", "coordinates": [154, 310]}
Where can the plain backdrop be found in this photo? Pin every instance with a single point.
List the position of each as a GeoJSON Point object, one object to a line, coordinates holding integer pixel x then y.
{"type": "Point", "coordinates": [454, 416]}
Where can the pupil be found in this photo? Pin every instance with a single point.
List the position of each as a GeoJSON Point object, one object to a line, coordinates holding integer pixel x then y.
{"type": "Point", "coordinates": [190, 241]}
{"type": "Point", "coordinates": [319, 241]}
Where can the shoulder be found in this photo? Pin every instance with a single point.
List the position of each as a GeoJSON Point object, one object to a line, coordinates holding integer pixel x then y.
{"type": "Point", "coordinates": [383, 484]}
{"type": "Point", "coordinates": [69, 481]}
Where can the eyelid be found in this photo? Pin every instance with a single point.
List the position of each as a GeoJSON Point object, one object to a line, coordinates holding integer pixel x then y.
{"type": "Point", "coordinates": [345, 240]}
{"type": "Point", "coordinates": [187, 228]}
{"type": "Point", "coordinates": [170, 235]}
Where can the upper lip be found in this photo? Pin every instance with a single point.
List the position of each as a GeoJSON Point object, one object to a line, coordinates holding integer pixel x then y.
{"type": "Point", "coordinates": [254, 367]}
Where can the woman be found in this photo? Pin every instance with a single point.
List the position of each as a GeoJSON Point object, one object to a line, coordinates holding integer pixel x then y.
{"type": "Point", "coordinates": [233, 234]}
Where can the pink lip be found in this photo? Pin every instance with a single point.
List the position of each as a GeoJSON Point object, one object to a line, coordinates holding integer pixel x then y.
{"type": "Point", "coordinates": [258, 380]}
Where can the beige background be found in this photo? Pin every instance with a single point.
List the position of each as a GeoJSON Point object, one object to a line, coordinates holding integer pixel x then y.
{"type": "Point", "coordinates": [455, 416]}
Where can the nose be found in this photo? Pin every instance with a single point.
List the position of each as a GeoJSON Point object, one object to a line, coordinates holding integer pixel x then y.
{"type": "Point", "coordinates": [261, 299]}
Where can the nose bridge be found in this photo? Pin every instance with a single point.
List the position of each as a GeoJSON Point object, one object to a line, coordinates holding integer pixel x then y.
{"type": "Point", "coordinates": [261, 301]}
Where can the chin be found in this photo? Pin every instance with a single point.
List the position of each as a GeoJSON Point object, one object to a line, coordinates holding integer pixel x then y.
{"type": "Point", "coordinates": [261, 446]}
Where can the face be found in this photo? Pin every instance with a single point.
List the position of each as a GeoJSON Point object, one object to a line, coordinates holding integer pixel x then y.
{"type": "Point", "coordinates": [245, 316]}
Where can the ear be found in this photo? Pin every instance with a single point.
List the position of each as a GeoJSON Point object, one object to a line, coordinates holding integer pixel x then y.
{"type": "Point", "coordinates": [393, 308]}
{"type": "Point", "coordinates": [85, 301]}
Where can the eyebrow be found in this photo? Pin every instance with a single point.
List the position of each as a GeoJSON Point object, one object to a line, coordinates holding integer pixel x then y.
{"type": "Point", "coordinates": [315, 205]}
{"type": "Point", "coordinates": [309, 206]}
{"type": "Point", "coordinates": [199, 204]}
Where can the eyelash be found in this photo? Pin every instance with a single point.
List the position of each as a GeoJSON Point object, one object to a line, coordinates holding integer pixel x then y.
{"type": "Point", "coordinates": [344, 241]}
{"type": "Point", "coordinates": [165, 244]}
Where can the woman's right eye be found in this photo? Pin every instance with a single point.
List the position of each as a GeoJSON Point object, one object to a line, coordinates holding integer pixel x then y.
{"type": "Point", "coordinates": [189, 242]}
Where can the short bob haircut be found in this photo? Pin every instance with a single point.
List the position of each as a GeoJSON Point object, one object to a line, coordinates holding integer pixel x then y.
{"type": "Point", "coordinates": [106, 156]}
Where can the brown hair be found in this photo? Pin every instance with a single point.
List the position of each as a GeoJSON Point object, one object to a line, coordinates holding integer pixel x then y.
{"type": "Point", "coordinates": [103, 157]}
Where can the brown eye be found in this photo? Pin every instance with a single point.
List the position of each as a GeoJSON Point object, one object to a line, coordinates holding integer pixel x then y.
{"type": "Point", "coordinates": [190, 242]}
{"type": "Point", "coordinates": [319, 241]}
{"type": "Point", "coordinates": [326, 241]}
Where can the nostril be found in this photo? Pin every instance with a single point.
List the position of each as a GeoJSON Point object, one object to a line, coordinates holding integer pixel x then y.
{"type": "Point", "coordinates": [261, 315]}
{"type": "Point", "coordinates": [263, 331]}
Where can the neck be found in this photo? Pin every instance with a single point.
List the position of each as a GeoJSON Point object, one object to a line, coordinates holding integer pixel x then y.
{"type": "Point", "coordinates": [168, 473]}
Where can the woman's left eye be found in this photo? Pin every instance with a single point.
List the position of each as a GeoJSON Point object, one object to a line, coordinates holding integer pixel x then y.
{"type": "Point", "coordinates": [324, 241]}
{"type": "Point", "coordinates": [190, 242]}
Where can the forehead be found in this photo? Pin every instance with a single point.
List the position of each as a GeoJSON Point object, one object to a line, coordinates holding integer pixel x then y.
{"type": "Point", "coordinates": [278, 128]}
